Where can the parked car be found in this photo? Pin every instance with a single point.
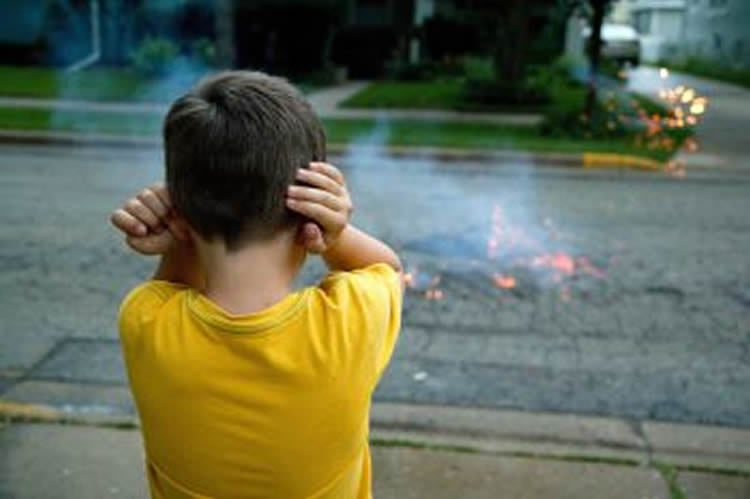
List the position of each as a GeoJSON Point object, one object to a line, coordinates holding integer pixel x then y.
{"type": "Point", "coordinates": [620, 43]}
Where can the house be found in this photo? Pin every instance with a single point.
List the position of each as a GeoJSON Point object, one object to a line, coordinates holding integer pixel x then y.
{"type": "Point", "coordinates": [718, 30]}
{"type": "Point", "coordinates": [661, 26]}
{"type": "Point", "coordinates": [22, 31]}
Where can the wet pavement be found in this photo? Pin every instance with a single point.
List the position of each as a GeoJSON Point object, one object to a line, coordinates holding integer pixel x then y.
{"type": "Point", "coordinates": [613, 293]}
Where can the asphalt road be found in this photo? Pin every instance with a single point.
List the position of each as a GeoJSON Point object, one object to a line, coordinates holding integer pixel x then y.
{"type": "Point", "coordinates": [613, 293]}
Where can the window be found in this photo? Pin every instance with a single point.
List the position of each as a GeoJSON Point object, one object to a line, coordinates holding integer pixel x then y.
{"type": "Point", "coordinates": [739, 48]}
{"type": "Point", "coordinates": [643, 22]}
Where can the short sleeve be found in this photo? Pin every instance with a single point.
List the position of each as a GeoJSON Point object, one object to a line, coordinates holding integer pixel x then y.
{"type": "Point", "coordinates": [372, 299]}
{"type": "Point", "coordinates": [142, 305]}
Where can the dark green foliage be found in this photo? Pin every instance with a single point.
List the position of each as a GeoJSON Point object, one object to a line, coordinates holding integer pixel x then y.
{"type": "Point", "coordinates": [204, 52]}
{"type": "Point", "coordinates": [493, 94]}
{"type": "Point", "coordinates": [154, 56]}
{"type": "Point", "coordinates": [712, 69]}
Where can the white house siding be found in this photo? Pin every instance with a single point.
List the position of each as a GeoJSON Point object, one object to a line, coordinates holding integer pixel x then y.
{"type": "Point", "coordinates": [661, 25]}
{"type": "Point", "coordinates": [718, 30]}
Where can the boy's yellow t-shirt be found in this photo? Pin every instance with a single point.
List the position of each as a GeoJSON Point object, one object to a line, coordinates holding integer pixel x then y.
{"type": "Point", "coordinates": [274, 404]}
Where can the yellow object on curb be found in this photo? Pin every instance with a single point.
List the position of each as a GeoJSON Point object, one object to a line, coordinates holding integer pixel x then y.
{"type": "Point", "coordinates": [604, 160]}
{"type": "Point", "coordinates": [29, 412]}
{"type": "Point", "coordinates": [12, 412]}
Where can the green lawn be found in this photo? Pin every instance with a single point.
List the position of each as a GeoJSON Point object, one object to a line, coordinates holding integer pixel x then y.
{"type": "Point", "coordinates": [341, 131]}
{"type": "Point", "coordinates": [711, 70]}
{"type": "Point", "coordinates": [441, 94]}
{"type": "Point", "coordinates": [484, 136]}
{"type": "Point", "coordinates": [92, 84]}
{"type": "Point", "coordinates": [448, 95]}
{"type": "Point", "coordinates": [99, 84]}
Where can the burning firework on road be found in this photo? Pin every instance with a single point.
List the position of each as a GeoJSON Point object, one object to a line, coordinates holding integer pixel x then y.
{"type": "Point", "coordinates": [517, 259]}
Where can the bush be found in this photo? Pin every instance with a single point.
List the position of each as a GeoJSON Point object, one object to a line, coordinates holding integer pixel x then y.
{"type": "Point", "coordinates": [492, 94]}
{"type": "Point", "coordinates": [612, 117]}
{"type": "Point", "coordinates": [154, 56]}
{"type": "Point", "coordinates": [551, 79]}
{"type": "Point", "coordinates": [204, 52]}
{"type": "Point", "coordinates": [478, 68]}
{"type": "Point", "coordinates": [406, 71]}
{"type": "Point", "coordinates": [424, 71]}
{"type": "Point", "coordinates": [445, 37]}
{"type": "Point", "coordinates": [712, 69]}
{"type": "Point", "coordinates": [364, 49]}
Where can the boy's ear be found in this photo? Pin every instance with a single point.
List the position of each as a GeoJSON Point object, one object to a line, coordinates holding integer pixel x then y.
{"type": "Point", "coordinates": [310, 236]}
{"type": "Point", "coordinates": [179, 228]}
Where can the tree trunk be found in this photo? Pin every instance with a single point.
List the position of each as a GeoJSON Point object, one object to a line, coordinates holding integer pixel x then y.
{"type": "Point", "coordinates": [511, 44]}
{"type": "Point", "coordinates": [224, 24]}
{"type": "Point", "coordinates": [595, 52]}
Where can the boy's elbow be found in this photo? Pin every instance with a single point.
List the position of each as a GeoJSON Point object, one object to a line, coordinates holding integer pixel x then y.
{"type": "Point", "coordinates": [395, 263]}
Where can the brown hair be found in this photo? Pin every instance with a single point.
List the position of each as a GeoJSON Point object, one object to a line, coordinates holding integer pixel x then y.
{"type": "Point", "coordinates": [233, 145]}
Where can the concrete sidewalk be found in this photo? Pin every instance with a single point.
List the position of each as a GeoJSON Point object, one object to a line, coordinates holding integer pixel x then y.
{"type": "Point", "coordinates": [63, 461]}
{"type": "Point", "coordinates": [325, 101]}
{"type": "Point", "coordinates": [419, 451]}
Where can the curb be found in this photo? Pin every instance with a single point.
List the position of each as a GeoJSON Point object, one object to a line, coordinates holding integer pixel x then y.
{"type": "Point", "coordinates": [605, 160]}
{"type": "Point", "coordinates": [584, 160]}
{"type": "Point", "coordinates": [489, 431]}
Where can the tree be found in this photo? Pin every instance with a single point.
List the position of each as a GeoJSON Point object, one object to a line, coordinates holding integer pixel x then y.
{"type": "Point", "coordinates": [598, 10]}
{"type": "Point", "coordinates": [224, 24]}
{"type": "Point", "coordinates": [511, 28]}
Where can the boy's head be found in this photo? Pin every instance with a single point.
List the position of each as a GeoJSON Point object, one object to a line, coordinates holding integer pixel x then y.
{"type": "Point", "coordinates": [233, 145]}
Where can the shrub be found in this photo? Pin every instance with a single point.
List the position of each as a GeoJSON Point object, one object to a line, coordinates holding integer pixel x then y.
{"type": "Point", "coordinates": [446, 37]}
{"type": "Point", "coordinates": [153, 56]}
{"type": "Point", "coordinates": [612, 117]}
{"type": "Point", "coordinates": [424, 71]}
{"type": "Point", "coordinates": [204, 52]}
{"type": "Point", "coordinates": [712, 69]}
{"type": "Point", "coordinates": [478, 68]}
{"type": "Point", "coordinates": [406, 71]}
{"type": "Point", "coordinates": [494, 94]}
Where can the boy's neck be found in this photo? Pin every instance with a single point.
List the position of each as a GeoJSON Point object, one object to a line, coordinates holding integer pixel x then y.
{"type": "Point", "coordinates": [253, 277]}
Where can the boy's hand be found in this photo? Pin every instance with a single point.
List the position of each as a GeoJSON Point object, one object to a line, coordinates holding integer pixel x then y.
{"type": "Point", "coordinates": [325, 200]}
{"type": "Point", "coordinates": [146, 221]}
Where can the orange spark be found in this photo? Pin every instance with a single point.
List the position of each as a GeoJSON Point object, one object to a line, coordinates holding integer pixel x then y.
{"type": "Point", "coordinates": [504, 281]}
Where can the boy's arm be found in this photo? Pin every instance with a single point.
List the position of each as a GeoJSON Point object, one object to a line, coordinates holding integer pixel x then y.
{"type": "Point", "coordinates": [324, 199]}
{"type": "Point", "coordinates": [356, 249]}
{"type": "Point", "coordinates": [151, 228]}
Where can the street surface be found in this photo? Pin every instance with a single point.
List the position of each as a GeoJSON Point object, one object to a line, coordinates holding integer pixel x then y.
{"type": "Point", "coordinates": [612, 293]}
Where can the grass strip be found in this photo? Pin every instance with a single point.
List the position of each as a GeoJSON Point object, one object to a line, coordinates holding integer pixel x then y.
{"type": "Point", "coordinates": [439, 94]}
{"type": "Point", "coordinates": [103, 84]}
{"type": "Point", "coordinates": [344, 131]}
{"type": "Point", "coordinates": [712, 70]}
{"type": "Point", "coordinates": [670, 474]}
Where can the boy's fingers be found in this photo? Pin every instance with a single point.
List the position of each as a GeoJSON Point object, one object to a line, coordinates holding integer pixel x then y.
{"type": "Point", "coordinates": [316, 195]}
{"type": "Point", "coordinates": [316, 211]}
{"type": "Point", "coordinates": [317, 179]}
{"type": "Point", "coordinates": [329, 171]}
{"type": "Point", "coordinates": [128, 223]}
{"type": "Point", "coordinates": [143, 213]}
{"type": "Point", "coordinates": [161, 191]}
{"type": "Point", "coordinates": [152, 201]}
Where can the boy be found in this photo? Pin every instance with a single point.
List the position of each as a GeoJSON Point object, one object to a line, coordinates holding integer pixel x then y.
{"type": "Point", "coordinates": [244, 387]}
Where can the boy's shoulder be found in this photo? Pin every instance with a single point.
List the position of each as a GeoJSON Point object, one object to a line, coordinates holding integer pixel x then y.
{"type": "Point", "coordinates": [146, 297]}
{"type": "Point", "coordinates": [379, 275]}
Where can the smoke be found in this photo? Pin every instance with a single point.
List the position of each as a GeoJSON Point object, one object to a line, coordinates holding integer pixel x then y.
{"type": "Point", "coordinates": [455, 217]}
